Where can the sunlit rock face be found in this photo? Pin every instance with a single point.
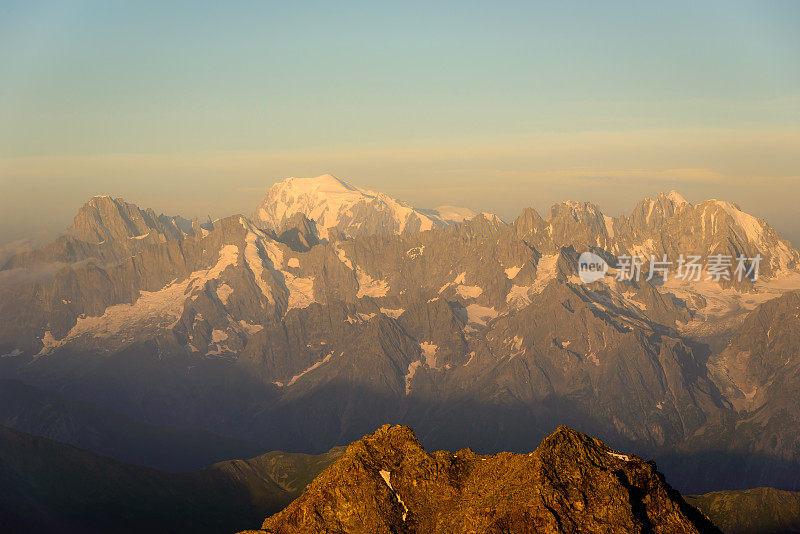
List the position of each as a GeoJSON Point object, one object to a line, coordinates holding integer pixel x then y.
{"type": "Point", "coordinates": [387, 482]}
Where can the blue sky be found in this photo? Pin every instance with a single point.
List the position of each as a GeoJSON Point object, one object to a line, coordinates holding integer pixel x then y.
{"type": "Point", "coordinates": [196, 108]}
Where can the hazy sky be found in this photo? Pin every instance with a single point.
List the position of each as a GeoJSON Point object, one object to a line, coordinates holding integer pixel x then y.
{"type": "Point", "coordinates": [196, 108]}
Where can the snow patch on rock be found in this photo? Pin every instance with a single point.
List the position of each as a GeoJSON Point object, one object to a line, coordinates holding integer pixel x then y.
{"type": "Point", "coordinates": [512, 272]}
{"type": "Point", "coordinates": [301, 290]}
{"type": "Point", "coordinates": [412, 370]}
{"type": "Point", "coordinates": [609, 222]}
{"type": "Point", "coordinates": [480, 314]}
{"type": "Point", "coordinates": [224, 291]}
{"type": "Point", "coordinates": [153, 310]}
{"type": "Point", "coordinates": [301, 374]}
{"type": "Point", "coordinates": [340, 253]}
{"type": "Point", "coordinates": [218, 336]}
{"type": "Point", "coordinates": [518, 296]}
{"type": "Point", "coordinates": [385, 476]}
{"type": "Point", "coordinates": [469, 292]}
{"type": "Point", "coordinates": [258, 246]}
{"type": "Point", "coordinates": [250, 328]}
{"type": "Point", "coordinates": [367, 287]}
{"type": "Point", "coordinates": [394, 314]}
{"type": "Point", "coordinates": [429, 352]}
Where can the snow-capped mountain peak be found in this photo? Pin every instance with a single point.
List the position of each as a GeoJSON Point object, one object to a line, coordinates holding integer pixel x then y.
{"type": "Point", "coordinates": [325, 183]}
{"type": "Point", "coordinates": [677, 198]}
{"type": "Point", "coordinates": [455, 214]}
{"type": "Point", "coordinates": [338, 207]}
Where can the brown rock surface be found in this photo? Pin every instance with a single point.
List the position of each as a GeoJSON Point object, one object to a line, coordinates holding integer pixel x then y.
{"type": "Point", "coordinates": [387, 482]}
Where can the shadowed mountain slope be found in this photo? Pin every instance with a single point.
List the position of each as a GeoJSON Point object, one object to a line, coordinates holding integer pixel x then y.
{"type": "Point", "coordinates": [90, 427]}
{"type": "Point", "coordinates": [55, 488]}
{"type": "Point", "coordinates": [753, 511]}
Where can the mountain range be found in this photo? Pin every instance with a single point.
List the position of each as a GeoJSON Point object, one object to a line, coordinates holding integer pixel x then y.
{"type": "Point", "coordinates": [332, 310]}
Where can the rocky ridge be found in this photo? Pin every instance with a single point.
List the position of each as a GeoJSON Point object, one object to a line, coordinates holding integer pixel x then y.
{"type": "Point", "coordinates": [387, 482]}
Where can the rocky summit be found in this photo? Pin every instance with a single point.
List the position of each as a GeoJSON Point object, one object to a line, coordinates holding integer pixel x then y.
{"type": "Point", "coordinates": [387, 482]}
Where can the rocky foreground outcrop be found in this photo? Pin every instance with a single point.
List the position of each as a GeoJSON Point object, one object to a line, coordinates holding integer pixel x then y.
{"type": "Point", "coordinates": [387, 482]}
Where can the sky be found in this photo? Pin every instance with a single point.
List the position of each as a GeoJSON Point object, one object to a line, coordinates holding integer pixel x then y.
{"type": "Point", "coordinates": [196, 108]}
